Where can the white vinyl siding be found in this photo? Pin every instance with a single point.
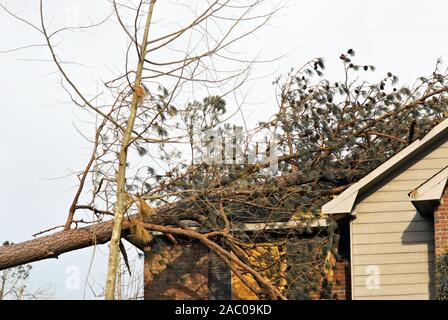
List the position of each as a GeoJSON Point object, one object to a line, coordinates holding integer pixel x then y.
{"type": "Point", "coordinates": [391, 237]}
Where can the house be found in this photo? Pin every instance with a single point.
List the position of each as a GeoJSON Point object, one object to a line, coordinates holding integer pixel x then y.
{"type": "Point", "coordinates": [398, 221]}
{"type": "Point", "coordinates": [393, 225]}
{"type": "Point", "coordinates": [188, 270]}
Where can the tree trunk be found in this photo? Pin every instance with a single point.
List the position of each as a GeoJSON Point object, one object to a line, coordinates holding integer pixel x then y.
{"type": "Point", "coordinates": [53, 245]}
{"type": "Point", "coordinates": [114, 250]}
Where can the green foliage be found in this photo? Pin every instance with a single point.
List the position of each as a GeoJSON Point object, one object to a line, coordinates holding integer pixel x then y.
{"type": "Point", "coordinates": [442, 276]}
{"type": "Point", "coordinates": [343, 130]}
{"type": "Point", "coordinates": [304, 272]}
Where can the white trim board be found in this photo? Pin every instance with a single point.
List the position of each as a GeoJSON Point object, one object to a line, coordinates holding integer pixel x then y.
{"type": "Point", "coordinates": [431, 189]}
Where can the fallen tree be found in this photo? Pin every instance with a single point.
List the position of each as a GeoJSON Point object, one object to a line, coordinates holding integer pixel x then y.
{"type": "Point", "coordinates": [329, 136]}
{"type": "Point", "coordinates": [53, 245]}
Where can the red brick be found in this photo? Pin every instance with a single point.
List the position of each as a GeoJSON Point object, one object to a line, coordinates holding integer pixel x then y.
{"type": "Point", "coordinates": [441, 225]}
{"type": "Point", "coordinates": [342, 281]}
{"type": "Point", "coordinates": [177, 272]}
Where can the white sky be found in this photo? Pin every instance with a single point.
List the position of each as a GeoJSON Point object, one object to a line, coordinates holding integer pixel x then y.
{"type": "Point", "coordinates": [40, 142]}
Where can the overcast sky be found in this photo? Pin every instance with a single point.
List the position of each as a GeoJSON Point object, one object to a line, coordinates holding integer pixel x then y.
{"type": "Point", "coordinates": [41, 147]}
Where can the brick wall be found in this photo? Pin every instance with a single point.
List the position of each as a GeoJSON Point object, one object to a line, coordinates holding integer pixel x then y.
{"type": "Point", "coordinates": [341, 283]}
{"type": "Point", "coordinates": [441, 225]}
{"type": "Point", "coordinates": [177, 272]}
{"type": "Point", "coordinates": [188, 271]}
{"type": "Point", "coordinates": [341, 289]}
{"type": "Point", "coordinates": [441, 232]}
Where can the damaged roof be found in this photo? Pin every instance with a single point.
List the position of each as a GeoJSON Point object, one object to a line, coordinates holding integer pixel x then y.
{"type": "Point", "coordinates": [345, 201]}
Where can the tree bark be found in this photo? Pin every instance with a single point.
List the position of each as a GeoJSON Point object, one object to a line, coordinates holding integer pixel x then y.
{"type": "Point", "coordinates": [53, 245]}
